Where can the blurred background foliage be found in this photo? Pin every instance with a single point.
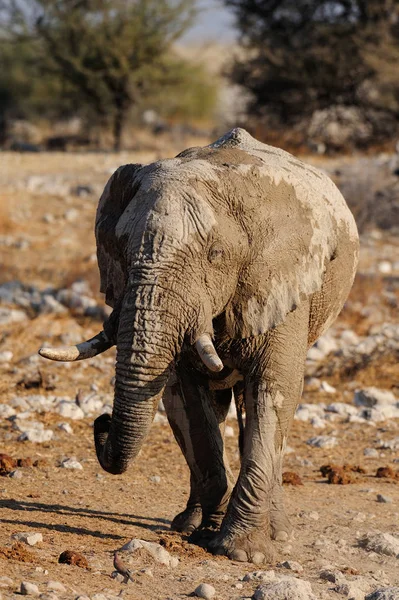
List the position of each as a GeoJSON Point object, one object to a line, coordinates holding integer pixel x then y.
{"type": "Point", "coordinates": [316, 73]}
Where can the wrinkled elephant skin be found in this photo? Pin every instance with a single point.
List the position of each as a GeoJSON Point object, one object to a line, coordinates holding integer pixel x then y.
{"type": "Point", "coordinates": [223, 266]}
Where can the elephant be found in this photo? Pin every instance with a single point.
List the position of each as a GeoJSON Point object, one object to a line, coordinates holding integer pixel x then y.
{"type": "Point", "coordinates": [222, 266]}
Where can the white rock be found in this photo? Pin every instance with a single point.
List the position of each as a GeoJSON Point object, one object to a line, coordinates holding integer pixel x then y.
{"type": "Point", "coordinates": [11, 315]}
{"type": "Point", "coordinates": [71, 463]}
{"type": "Point", "coordinates": [289, 588]}
{"type": "Point", "coordinates": [229, 431]}
{"type": "Point", "coordinates": [371, 453]}
{"type": "Point", "coordinates": [291, 565]}
{"type": "Point", "coordinates": [29, 589]}
{"type": "Point", "coordinates": [6, 356]}
{"type": "Point", "coordinates": [37, 436]}
{"type": "Point", "coordinates": [312, 384]}
{"type": "Point", "coordinates": [17, 474]}
{"type": "Point", "coordinates": [91, 404]}
{"type": "Point", "coordinates": [350, 590]}
{"type": "Point", "coordinates": [389, 593]}
{"type": "Point", "coordinates": [29, 538]}
{"type": "Point", "coordinates": [155, 479]}
{"type": "Point", "coordinates": [317, 422]}
{"type": "Point", "coordinates": [204, 590]}
{"type": "Point", "coordinates": [305, 411]}
{"type": "Point", "coordinates": [341, 408]}
{"type": "Point", "coordinates": [23, 425]}
{"type": "Point", "coordinates": [326, 387]}
{"type": "Point", "coordinates": [71, 215]}
{"type": "Point", "coordinates": [265, 576]}
{"type": "Point", "coordinates": [348, 336]}
{"type": "Point", "coordinates": [70, 410]}
{"type": "Point", "coordinates": [65, 427]}
{"type": "Point", "coordinates": [158, 553]}
{"type": "Point", "coordinates": [6, 411]}
{"type": "Point", "coordinates": [390, 444]}
{"type": "Point", "coordinates": [6, 582]}
{"type": "Point", "coordinates": [322, 441]}
{"type": "Point", "coordinates": [372, 397]}
{"type": "Point", "coordinates": [384, 499]}
{"type": "Point", "coordinates": [381, 543]}
{"type": "Point", "coordinates": [385, 267]}
{"type": "Point", "coordinates": [56, 586]}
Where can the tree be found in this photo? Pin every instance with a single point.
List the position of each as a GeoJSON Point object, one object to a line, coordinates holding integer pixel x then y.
{"type": "Point", "coordinates": [109, 52]}
{"type": "Point", "coordinates": [304, 55]}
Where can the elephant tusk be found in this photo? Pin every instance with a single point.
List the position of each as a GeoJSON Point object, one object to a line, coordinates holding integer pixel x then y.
{"type": "Point", "coordinates": [96, 345]}
{"type": "Point", "coordinates": [207, 352]}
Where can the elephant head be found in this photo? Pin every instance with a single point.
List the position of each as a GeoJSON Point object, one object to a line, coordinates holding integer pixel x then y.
{"type": "Point", "coordinates": [180, 242]}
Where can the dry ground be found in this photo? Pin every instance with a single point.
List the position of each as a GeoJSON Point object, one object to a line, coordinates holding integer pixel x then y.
{"type": "Point", "coordinates": [94, 513]}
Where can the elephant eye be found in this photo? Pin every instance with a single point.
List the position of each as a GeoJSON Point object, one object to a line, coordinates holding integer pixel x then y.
{"type": "Point", "coordinates": [215, 254]}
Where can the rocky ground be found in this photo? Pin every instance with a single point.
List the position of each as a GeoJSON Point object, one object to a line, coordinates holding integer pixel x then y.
{"type": "Point", "coordinates": [341, 466]}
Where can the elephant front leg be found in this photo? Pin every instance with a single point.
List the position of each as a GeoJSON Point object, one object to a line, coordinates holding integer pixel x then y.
{"type": "Point", "coordinates": [272, 390]}
{"type": "Point", "coordinates": [197, 417]}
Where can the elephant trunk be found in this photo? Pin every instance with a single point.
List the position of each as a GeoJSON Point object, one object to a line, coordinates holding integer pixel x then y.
{"type": "Point", "coordinates": [151, 330]}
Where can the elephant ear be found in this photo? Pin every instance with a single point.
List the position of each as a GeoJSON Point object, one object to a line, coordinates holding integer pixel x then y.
{"type": "Point", "coordinates": [118, 192]}
{"type": "Point", "coordinates": [289, 247]}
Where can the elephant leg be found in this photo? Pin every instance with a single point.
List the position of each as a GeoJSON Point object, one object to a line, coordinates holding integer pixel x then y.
{"type": "Point", "coordinates": [206, 411]}
{"type": "Point", "coordinates": [195, 424]}
{"type": "Point", "coordinates": [273, 386]}
{"type": "Point", "coordinates": [190, 518]}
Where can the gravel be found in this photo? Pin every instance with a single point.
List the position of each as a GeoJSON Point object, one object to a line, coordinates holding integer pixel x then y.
{"type": "Point", "coordinates": [71, 463]}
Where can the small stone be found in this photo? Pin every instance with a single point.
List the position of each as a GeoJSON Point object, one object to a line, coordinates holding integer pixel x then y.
{"type": "Point", "coordinates": [381, 543]}
{"type": "Point", "coordinates": [28, 538]}
{"type": "Point", "coordinates": [158, 553]}
{"type": "Point", "coordinates": [6, 582]}
{"type": "Point", "coordinates": [206, 591]}
{"type": "Point", "coordinates": [318, 422]}
{"type": "Point", "coordinates": [36, 435]}
{"type": "Point", "coordinates": [6, 356]}
{"type": "Point", "coordinates": [288, 588]}
{"type": "Point", "coordinates": [322, 441]}
{"type": "Point", "coordinates": [70, 410]}
{"type": "Point", "coordinates": [384, 499]}
{"type": "Point", "coordinates": [371, 453]}
{"type": "Point", "coordinates": [389, 593]}
{"type": "Point", "coordinates": [155, 479]}
{"type": "Point", "coordinates": [332, 576]}
{"type": "Point", "coordinates": [147, 572]}
{"type": "Point", "coordinates": [7, 411]}
{"type": "Point", "coordinates": [265, 576]}
{"type": "Point", "coordinates": [7, 464]}
{"type": "Point", "coordinates": [71, 215]}
{"type": "Point", "coordinates": [238, 586]}
{"type": "Point", "coordinates": [56, 586]}
{"type": "Point", "coordinates": [71, 463]}
{"type": "Point", "coordinates": [291, 565]}
{"type": "Point", "coordinates": [326, 387]}
{"type": "Point", "coordinates": [29, 589]}
{"type": "Point", "coordinates": [65, 427]}
{"type": "Point", "coordinates": [17, 474]}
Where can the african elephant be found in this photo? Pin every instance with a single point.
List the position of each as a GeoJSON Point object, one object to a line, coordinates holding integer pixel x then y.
{"type": "Point", "coordinates": [222, 266]}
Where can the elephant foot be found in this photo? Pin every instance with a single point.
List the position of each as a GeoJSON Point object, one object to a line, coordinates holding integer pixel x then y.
{"type": "Point", "coordinates": [188, 520]}
{"type": "Point", "coordinates": [255, 546]}
{"type": "Point", "coordinates": [281, 528]}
